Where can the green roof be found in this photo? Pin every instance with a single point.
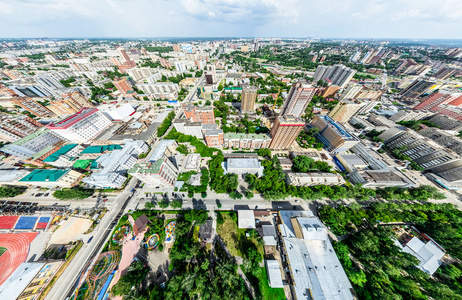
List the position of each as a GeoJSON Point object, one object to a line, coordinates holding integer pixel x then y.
{"type": "Point", "coordinates": [100, 149]}
{"type": "Point", "coordinates": [44, 175]}
{"type": "Point", "coordinates": [61, 151]}
{"type": "Point", "coordinates": [147, 168]}
{"type": "Point", "coordinates": [82, 163]}
{"type": "Point", "coordinates": [233, 88]}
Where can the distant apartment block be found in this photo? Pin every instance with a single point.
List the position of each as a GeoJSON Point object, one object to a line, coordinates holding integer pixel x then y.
{"type": "Point", "coordinates": [338, 75]}
{"type": "Point", "coordinates": [13, 128]}
{"type": "Point", "coordinates": [418, 87]}
{"type": "Point", "coordinates": [33, 107]}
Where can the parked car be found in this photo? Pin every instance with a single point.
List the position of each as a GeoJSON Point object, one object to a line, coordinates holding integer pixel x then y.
{"type": "Point", "coordinates": [46, 194]}
{"type": "Point", "coordinates": [89, 240]}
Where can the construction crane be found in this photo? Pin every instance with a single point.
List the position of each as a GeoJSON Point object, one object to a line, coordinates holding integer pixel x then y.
{"type": "Point", "coordinates": [277, 96]}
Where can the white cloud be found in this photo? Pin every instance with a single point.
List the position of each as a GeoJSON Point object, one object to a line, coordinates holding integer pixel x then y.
{"type": "Point", "coordinates": [328, 18]}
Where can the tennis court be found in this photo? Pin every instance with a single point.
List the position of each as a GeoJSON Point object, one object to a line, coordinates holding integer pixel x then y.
{"type": "Point", "coordinates": [26, 222]}
{"type": "Point", "coordinates": [7, 222]}
{"type": "Point", "coordinates": [42, 222]}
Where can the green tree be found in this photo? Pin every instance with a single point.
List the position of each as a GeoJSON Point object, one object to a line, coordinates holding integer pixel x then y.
{"type": "Point", "coordinates": [72, 193]}
{"type": "Point", "coordinates": [7, 191]}
{"type": "Point", "coordinates": [176, 204]}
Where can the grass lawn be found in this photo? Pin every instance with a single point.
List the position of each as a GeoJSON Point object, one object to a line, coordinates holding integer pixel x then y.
{"type": "Point", "coordinates": [260, 283]}
{"type": "Point", "coordinates": [2, 250]}
{"type": "Point", "coordinates": [235, 238]}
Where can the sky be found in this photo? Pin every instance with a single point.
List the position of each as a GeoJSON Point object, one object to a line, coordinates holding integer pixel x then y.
{"type": "Point", "coordinates": [415, 19]}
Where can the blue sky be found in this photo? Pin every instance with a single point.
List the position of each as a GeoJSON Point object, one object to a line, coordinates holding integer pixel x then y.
{"type": "Point", "coordinates": [234, 18]}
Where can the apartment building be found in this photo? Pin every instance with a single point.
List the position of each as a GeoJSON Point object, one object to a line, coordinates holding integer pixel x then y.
{"type": "Point", "coordinates": [249, 95]}
{"type": "Point", "coordinates": [332, 135]}
{"type": "Point", "coordinates": [344, 110]}
{"type": "Point", "coordinates": [204, 115]}
{"type": "Point", "coordinates": [285, 130]}
{"type": "Point", "coordinates": [13, 128]}
{"type": "Point", "coordinates": [33, 107]}
{"type": "Point", "coordinates": [246, 141]}
{"type": "Point", "coordinates": [338, 75]}
{"type": "Point", "coordinates": [162, 172]}
{"type": "Point", "coordinates": [299, 97]}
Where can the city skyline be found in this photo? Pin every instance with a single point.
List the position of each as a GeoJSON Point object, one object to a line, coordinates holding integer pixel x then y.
{"type": "Point", "coordinates": [234, 18]}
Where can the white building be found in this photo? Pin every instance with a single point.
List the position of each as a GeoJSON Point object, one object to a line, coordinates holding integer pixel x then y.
{"type": "Point", "coordinates": [309, 179]}
{"type": "Point", "coordinates": [162, 173]}
{"type": "Point", "coordinates": [316, 271]}
{"type": "Point", "coordinates": [113, 166]}
{"type": "Point", "coordinates": [428, 254]}
{"type": "Point", "coordinates": [164, 89]}
{"type": "Point", "coordinates": [117, 112]}
{"type": "Point", "coordinates": [243, 166]}
{"type": "Point", "coordinates": [140, 73]}
{"type": "Point", "coordinates": [82, 126]}
{"type": "Point", "coordinates": [246, 219]}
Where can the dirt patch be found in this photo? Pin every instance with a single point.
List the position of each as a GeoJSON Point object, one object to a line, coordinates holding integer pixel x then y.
{"type": "Point", "coordinates": [71, 230]}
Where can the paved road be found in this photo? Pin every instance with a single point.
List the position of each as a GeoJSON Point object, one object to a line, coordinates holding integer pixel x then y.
{"type": "Point", "coordinates": [67, 280]}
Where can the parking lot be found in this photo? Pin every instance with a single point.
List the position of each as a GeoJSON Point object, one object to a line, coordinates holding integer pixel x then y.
{"type": "Point", "coordinates": [26, 208]}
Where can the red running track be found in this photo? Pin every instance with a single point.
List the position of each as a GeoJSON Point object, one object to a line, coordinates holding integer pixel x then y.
{"type": "Point", "coordinates": [17, 245]}
{"type": "Point", "coordinates": [7, 222]}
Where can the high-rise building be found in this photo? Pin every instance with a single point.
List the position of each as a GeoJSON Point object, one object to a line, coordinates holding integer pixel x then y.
{"type": "Point", "coordinates": [332, 135]}
{"type": "Point", "coordinates": [338, 75]}
{"type": "Point", "coordinates": [298, 99]}
{"type": "Point", "coordinates": [140, 73]}
{"type": "Point", "coordinates": [415, 89]}
{"type": "Point", "coordinates": [33, 107]}
{"type": "Point", "coordinates": [344, 110]}
{"type": "Point", "coordinates": [13, 128]}
{"type": "Point", "coordinates": [82, 126]}
{"type": "Point", "coordinates": [123, 54]}
{"type": "Point", "coordinates": [249, 95]}
{"type": "Point", "coordinates": [285, 130]}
